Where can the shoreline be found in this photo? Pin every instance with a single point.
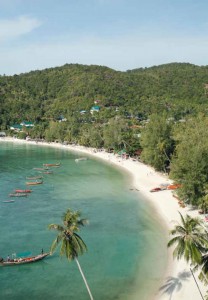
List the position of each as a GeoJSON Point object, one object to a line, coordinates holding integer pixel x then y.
{"type": "Point", "coordinates": [178, 282]}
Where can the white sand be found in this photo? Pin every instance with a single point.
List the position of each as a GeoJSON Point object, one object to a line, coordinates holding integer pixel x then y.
{"type": "Point", "coordinates": [178, 283]}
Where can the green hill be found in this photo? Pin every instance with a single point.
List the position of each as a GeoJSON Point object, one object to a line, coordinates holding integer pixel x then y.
{"type": "Point", "coordinates": [178, 88]}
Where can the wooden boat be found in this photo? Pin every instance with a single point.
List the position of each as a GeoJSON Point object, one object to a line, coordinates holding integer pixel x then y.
{"type": "Point", "coordinates": [18, 195]}
{"type": "Point", "coordinates": [34, 177]}
{"type": "Point", "coordinates": [52, 165]}
{"type": "Point", "coordinates": [47, 172]}
{"type": "Point", "coordinates": [24, 260]}
{"type": "Point", "coordinates": [34, 182]}
{"type": "Point", "coordinates": [156, 189]}
{"type": "Point", "coordinates": [8, 201]}
{"type": "Point", "coordinates": [23, 191]}
{"type": "Point", "coordinates": [173, 186]}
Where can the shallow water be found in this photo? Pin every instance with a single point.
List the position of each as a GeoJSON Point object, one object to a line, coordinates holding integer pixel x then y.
{"type": "Point", "coordinates": [126, 256]}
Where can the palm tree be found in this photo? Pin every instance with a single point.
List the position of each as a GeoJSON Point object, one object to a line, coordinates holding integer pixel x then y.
{"type": "Point", "coordinates": [72, 244]}
{"type": "Point", "coordinates": [203, 275]}
{"type": "Point", "coordinates": [190, 239]}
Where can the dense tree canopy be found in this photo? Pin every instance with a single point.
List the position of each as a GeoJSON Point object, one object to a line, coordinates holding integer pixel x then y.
{"type": "Point", "coordinates": [157, 143]}
{"type": "Point", "coordinates": [190, 163]}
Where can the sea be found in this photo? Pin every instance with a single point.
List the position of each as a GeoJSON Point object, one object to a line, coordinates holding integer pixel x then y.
{"type": "Point", "coordinates": [127, 255]}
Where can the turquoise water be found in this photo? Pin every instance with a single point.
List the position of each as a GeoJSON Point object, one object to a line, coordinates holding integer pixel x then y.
{"type": "Point", "coordinates": [126, 245]}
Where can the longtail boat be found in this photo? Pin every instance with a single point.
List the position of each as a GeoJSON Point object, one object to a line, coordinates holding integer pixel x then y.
{"type": "Point", "coordinates": [18, 195]}
{"type": "Point", "coordinates": [23, 191]}
{"type": "Point", "coordinates": [52, 165]}
{"type": "Point", "coordinates": [24, 260]}
{"type": "Point", "coordinates": [8, 201]}
{"type": "Point", "coordinates": [47, 172]}
{"type": "Point", "coordinates": [34, 182]}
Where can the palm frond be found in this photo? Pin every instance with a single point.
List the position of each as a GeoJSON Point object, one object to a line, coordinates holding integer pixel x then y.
{"type": "Point", "coordinates": [173, 241]}
{"type": "Point", "coordinates": [56, 227]}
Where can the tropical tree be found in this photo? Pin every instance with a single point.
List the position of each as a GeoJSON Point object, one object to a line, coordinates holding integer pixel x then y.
{"type": "Point", "coordinates": [190, 161]}
{"type": "Point", "coordinates": [114, 133]}
{"type": "Point", "coordinates": [72, 245]}
{"type": "Point", "coordinates": [203, 204]}
{"type": "Point", "coordinates": [157, 142]}
{"type": "Point", "coordinates": [190, 239]}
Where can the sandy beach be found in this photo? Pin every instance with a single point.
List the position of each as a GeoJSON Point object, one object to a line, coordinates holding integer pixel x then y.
{"type": "Point", "coordinates": [178, 282]}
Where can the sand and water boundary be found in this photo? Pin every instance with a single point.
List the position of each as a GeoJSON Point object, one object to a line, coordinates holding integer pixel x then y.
{"type": "Point", "coordinates": [178, 282]}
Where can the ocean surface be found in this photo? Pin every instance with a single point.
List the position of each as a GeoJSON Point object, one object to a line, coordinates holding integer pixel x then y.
{"type": "Point", "coordinates": [126, 244]}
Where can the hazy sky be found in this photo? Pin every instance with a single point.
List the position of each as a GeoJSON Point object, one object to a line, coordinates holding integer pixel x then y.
{"type": "Point", "coordinates": [120, 34]}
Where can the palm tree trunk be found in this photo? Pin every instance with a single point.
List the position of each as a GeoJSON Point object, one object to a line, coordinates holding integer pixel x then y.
{"type": "Point", "coordinates": [197, 284]}
{"type": "Point", "coordinates": [85, 281]}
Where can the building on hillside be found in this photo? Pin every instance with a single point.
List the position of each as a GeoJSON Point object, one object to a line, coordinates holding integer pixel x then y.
{"type": "Point", "coordinates": [61, 119]}
{"type": "Point", "coordinates": [2, 134]}
{"type": "Point", "coordinates": [95, 108]}
{"type": "Point", "coordinates": [82, 112]}
{"type": "Point", "coordinates": [27, 124]}
{"type": "Point", "coordinates": [97, 101]}
{"type": "Point", "coordinates": [16, 127]}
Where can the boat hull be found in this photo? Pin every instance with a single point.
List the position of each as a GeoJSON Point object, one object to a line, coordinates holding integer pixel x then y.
{"type": "Point", "coordinates": [52, 165]}
{"type": "Point", "coordinates": [26, 260]}
{"type": "Point", "coordinates": [34, 183]}
{"type": "Point", "coordinates": [23, 191]}
{"type": "Point", "coordinates": [19, 195]}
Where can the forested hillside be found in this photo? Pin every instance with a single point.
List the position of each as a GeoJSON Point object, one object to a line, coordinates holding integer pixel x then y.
{"type": "Point", "coordinates": [176, 88]}
{"type": "Point", "coordinates": [157, 113]}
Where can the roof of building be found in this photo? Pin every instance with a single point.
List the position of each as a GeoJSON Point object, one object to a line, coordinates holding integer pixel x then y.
{"type": "Point", "coordinates": [26, 123]}
{"type": "Point", "coordinates": [95, 107]}
{"type": "Point", "coordinates": [18, 126]}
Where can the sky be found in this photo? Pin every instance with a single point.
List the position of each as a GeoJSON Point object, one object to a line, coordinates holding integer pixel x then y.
{"type": "Point", "coordinates": [119, 34]}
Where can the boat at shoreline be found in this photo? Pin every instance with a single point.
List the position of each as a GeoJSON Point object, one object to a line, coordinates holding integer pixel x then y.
{"type": "Point", "coordinates": [24, 260]}
{"type": "Point", "coordinates": [34, 182]}
{"type": "Point", "coordinates": [156, 189]}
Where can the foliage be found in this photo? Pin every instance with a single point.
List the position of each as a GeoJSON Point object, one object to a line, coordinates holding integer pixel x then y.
{"type": "Point", "coordinates": [157, 142]}
{"type": "Point", "coordinates": [190, 162]}
{"type": "Point", "coordinates": [178, 89]}
{"type": "Point", "coordinates": [72, 244]}
{"type": "Point", "coordinates": [115, 133]}
{"type": "Point", "coordinates": [189, 238]}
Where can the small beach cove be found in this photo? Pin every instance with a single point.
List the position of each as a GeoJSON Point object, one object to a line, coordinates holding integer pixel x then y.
{"type": "Point", "coordinates": [145, 278]}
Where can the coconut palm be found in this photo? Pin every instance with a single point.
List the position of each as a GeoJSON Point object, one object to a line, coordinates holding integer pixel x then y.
{"type": "Point", "coordinates": [203, 267]}
{"type": "Point", "coordinates": [190, 238]}
{"type": "Point", "coordinates": [72, 244]}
